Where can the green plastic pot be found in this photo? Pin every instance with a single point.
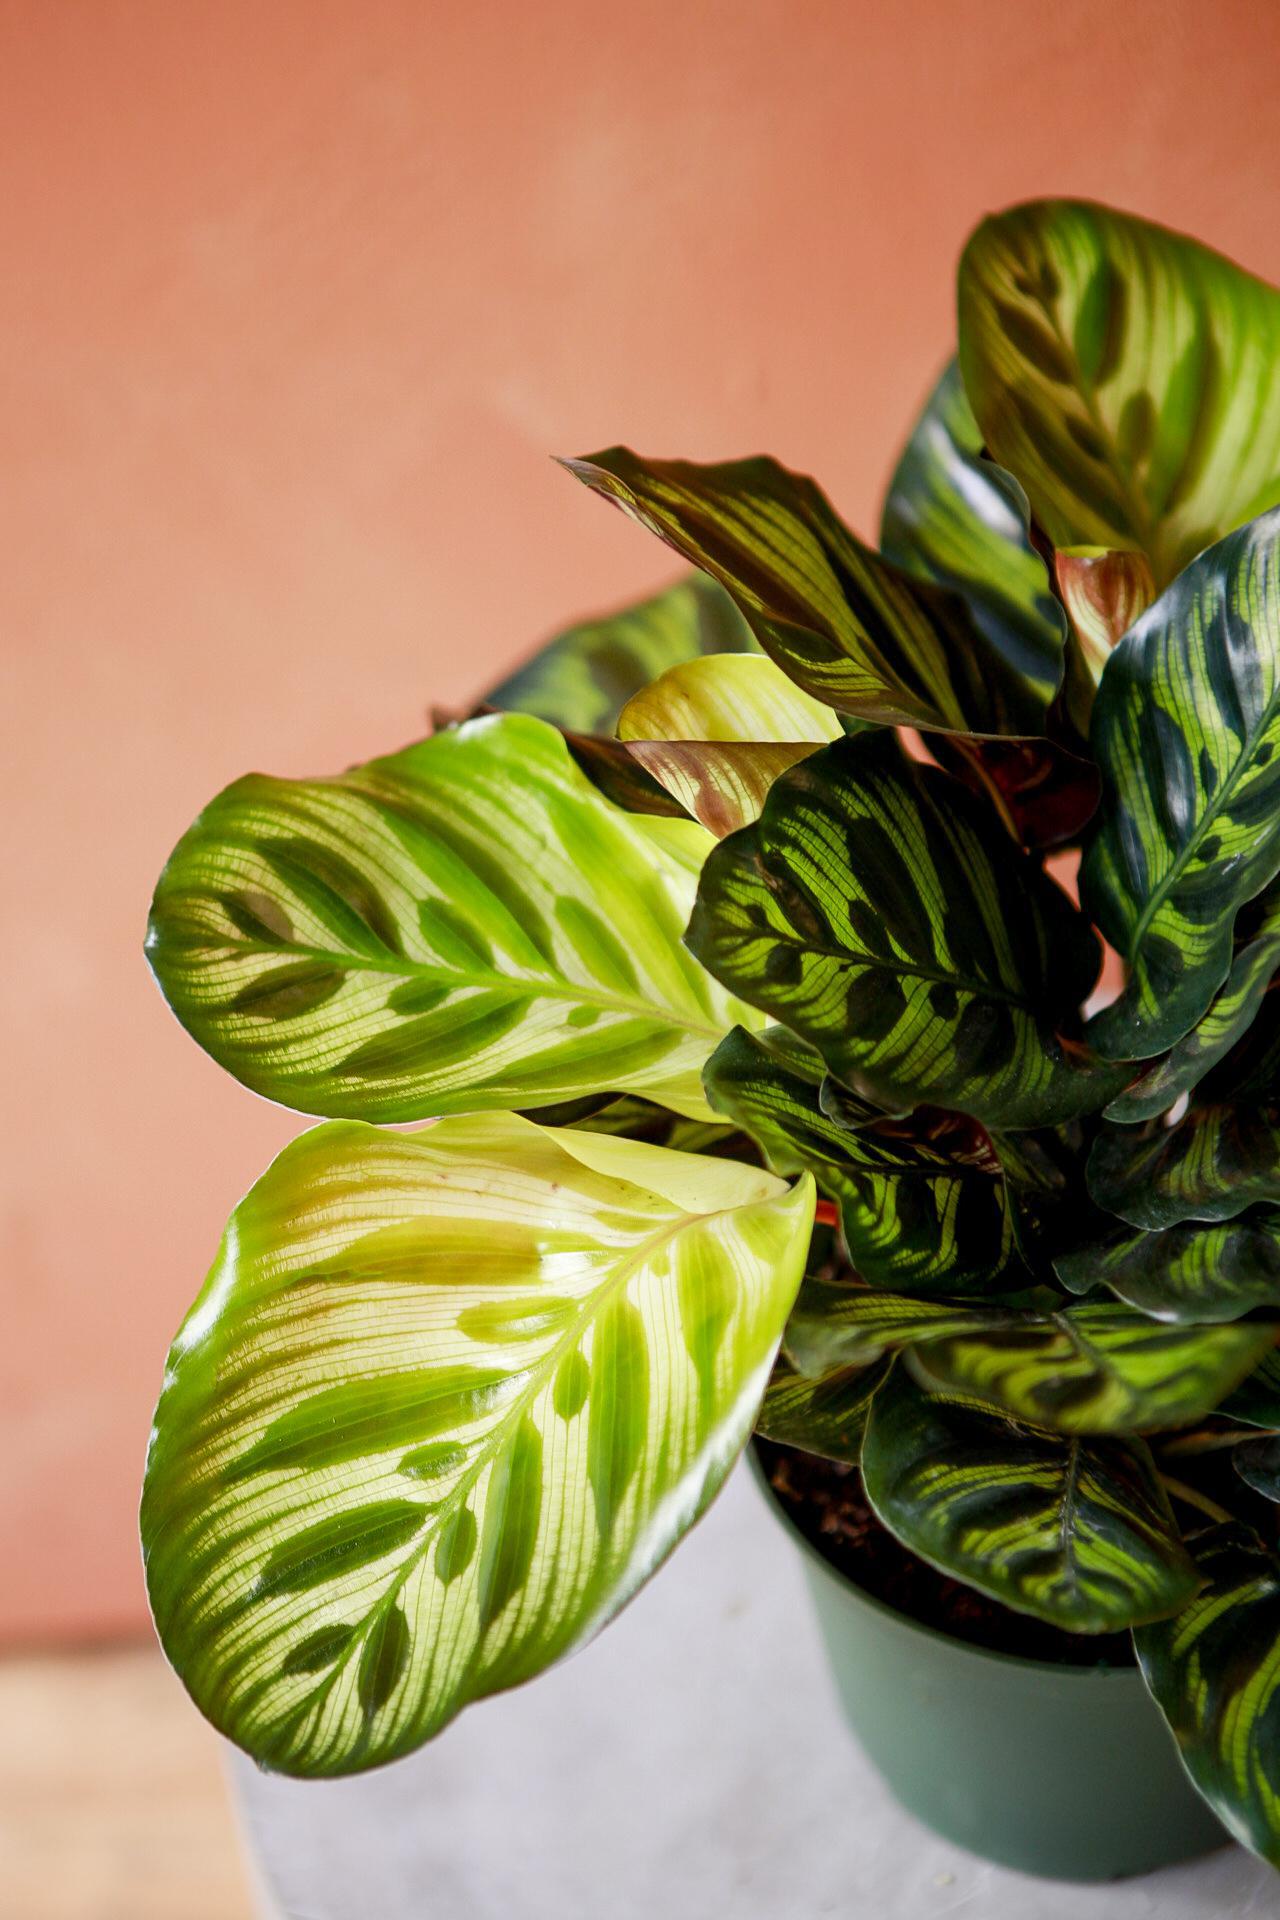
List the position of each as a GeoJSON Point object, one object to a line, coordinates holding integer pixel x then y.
{"type": "Point", "coordinates": [1064, 1771]}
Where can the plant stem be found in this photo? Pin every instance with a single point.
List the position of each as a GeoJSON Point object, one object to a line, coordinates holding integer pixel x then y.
{"type": "Point", "coordinates": [1192, 1497]}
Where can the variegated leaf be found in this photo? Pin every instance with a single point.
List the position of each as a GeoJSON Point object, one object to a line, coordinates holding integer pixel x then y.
{"type": "Point", "coordinates": [1095, 1368]}
{"type": "Point", "coordinates": [446, 1401]}
{"type": "Point", "coordinates": [1227, 1021]}
{"type": "Point", "coordinates": [1213, 1164]}
{"type": "Point", "coordinates": [716, 733]}
{"type": "Point", "coordinates": [584, 677]}
{"type": "Point", "coordinates": [1185, 731]}
{"type": "Point", "coordinates": [956, 519]}
{"type": "Point", "coordinates": [1078, 1532]}
{"type": "Point", "coordinates": [1191, 1274]}
{"type": "Point", "coordinates": [834, 1325]}
{"type": "Point", "coordinates": [826, 1415]}
{"type": "Point", "coordinates": [850, 628]}
{"type": "Point", "coordinates": [1214, 1669]}
{"type": "Point", "coordinates": [1122, 372]}
{"type": "Point", "coordinates": [882, 914]}
{"type": "Point", "coordinates": [463, 925]}
{"type": "Point", "coordinates": [730, 698]}
{"type": "Point", "coordinates": [922, 1205]}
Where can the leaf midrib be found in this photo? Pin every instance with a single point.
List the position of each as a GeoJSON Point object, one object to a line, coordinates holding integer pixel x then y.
{"type": "Point", "coordinates": [513, 1410]}
{"type": "Point", "coordinates": [515, 984]}
{"type": "Point", "coordinates": [980, 989]}
{"type": "Point", "coordinates": [1217, 804]}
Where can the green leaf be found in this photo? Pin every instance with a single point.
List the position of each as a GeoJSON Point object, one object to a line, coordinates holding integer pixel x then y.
{"type": "Point", "coordinates": [956, 519]}
{"type": "Point", "coordinates": [463, 925]}
{"type": "Point", "coordinates": [1078, 1532]}
{"type": "Point", "coordinates": [1214, 1670]}
{"type": "Point", "coordinates": [1120, 371]}
{"type": "Point", "coordinates": [1185, 731]}
{"type": "Point", "coordinates": [827, 1415]}
{"type": "Point", "coordinates": [584, 677]}
{"type": "Point", "coordinates": [1096, 1368]}
{"type": "Point", "coordinates": [446, 1400]}
{"type": "Point", "coordinates": [922, 1204]}
{"type": "Point", "coordinates": [1187, 1274]}
{"type": "Point", "coordinates": [1258, 1464]}
{"type": "Point", "coordinates": [1256, 1401]}
{"type": "Point", "coordinates": [834, 1325]}
{"type": "Point", "coordinates": [881, 913]}
{"type": "Point", "coordinates": [1213, 1164]}
{"type": "Point", "coordinates": [716, 733]}
{"type": "Point", "coordinates": [850, 628]}
{"type": "Point", "coordinates": [742, 698]}
{"type": "Point", "coordinates": [1227, 1020]}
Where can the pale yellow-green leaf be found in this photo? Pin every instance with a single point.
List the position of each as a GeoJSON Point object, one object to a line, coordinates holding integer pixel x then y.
{"type": "Point", "coordinates": [446, 1401]}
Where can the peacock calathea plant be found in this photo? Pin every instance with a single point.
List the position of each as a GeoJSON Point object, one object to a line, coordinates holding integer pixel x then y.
{"type": "Point", "coordinates": [728, 949]}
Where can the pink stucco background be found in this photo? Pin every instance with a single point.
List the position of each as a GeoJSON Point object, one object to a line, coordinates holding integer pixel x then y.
{"type": "Point", "coordinates": [296, 299]}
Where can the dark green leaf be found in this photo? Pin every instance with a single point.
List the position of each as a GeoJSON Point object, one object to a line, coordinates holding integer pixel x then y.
{"type": "Point", "coordinates": [584, 677]}
{"type": "Point", "coordinates": [1226, 1022]}
{"type": "Point", "coordinates": [1191, 1273]}
{"type": "Point", "coordinates": [1214, 1669]}
{"type": "Point", "coordinates": [1258, 1464]}
{"type": "Point", "coordinates": [834, 1325]}
{"type": "Point", "coordinates": [826, 1415]}
{"type": "Point", "coordinates": [850, 628]}
{"type": "Point", "coordinates": [885, 917]}
{"type": "Point", "coordinates": [1256, 1401]}
{"type": "Point", "coordinates": [962, 522]}
{"type": "Point", "coordinates": [1123, 373]}
{"type": "Point", "coordinates": [1078, 1532]}
{"type": "Point", "coordinates": [1095, 1369]}
{"type": "Point", "coordinates": [1211, 1165]}
{"type": "Point", "coordinates": [1185, 731]}
{"type": "Point", "coordinates": [922, 1206]}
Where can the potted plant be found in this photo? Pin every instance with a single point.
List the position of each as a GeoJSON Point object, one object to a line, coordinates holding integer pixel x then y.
{"type": "Point", "coordinates": [772, 1090]}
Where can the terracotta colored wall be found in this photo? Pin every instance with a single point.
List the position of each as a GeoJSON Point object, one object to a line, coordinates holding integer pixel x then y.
{"type": "Point", "coordinates": [295, 300]}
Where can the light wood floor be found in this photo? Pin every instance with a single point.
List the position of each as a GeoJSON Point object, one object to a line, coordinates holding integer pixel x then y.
{"type": "Point", "coordinates": [113, 1804]}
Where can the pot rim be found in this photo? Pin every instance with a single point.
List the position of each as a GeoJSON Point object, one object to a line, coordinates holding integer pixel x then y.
{"type": "Point", "coordinates": [1060, 1669]}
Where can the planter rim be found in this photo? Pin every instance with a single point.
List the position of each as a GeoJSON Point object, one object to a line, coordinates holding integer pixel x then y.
{"type": "Point", "coordinates": [1060, 1669]}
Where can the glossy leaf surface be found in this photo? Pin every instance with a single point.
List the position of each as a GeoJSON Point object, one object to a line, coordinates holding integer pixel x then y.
{"type": "Point", "coordinates": [584, 677]}
{"type": "Point", "coordinates": [716, 733]}
{"type": "Point", "coordinates": [922, 1205]}
{"type": "Point", "coordinates": [463, 925]}
{"type": "Point", "coordinates": [1214, 1669]}
{"type": "Point", "coordinates": [826, 1414]}
{"type": "Point", "coordinates": [1227, 1021]}
{"type": "Point", "coordinates": [877, 910]}
{"type": "Point", "coordinates": [961, 522]}
{"type": "Point", "coordinates": [1121, 372]}
{"type": "Point", "coordinates": [732, 698]}
{"type": "Point", "coordinates": [1191, 1273]}
{"type": "Point", "coordinates": [835, 1326]}
{"type": "Point", "coordinates": [447, 1399]}
{"type": "Point", "coordinates": [1215, 1162]}
{"type": "Point", "coordinates": [1096, 1369]}
{"type": "Point", "coordinates": [850, 628]}
{"type": "Point", "coordinates": [1078, 1532]}
{"type": "Point", "coordinates": [1185, 731]}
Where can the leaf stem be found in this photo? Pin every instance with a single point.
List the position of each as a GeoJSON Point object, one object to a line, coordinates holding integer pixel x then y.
{"type": "Point", "coordinates": [1192, 1497]}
